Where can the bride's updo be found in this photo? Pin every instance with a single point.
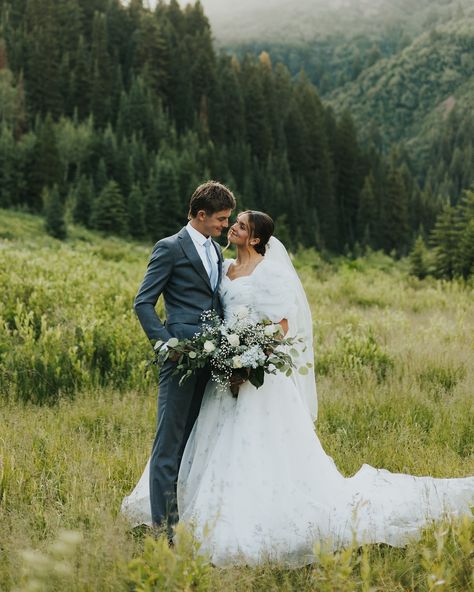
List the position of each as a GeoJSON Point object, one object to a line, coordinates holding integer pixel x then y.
{"type": "Point", "coordinates": [262, 227]}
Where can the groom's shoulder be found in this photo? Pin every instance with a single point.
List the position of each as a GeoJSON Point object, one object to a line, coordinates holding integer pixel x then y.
{"type": "Point", "coordinates": [168, 242]}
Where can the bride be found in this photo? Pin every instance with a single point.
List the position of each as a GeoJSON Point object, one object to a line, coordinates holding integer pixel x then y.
{"type": "Point", "coordinates": [255, 483]}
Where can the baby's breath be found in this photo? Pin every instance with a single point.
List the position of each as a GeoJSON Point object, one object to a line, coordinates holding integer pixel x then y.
{"type": "Point", "coordinates": [238, 347]}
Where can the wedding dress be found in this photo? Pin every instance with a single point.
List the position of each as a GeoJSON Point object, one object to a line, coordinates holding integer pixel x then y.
{"type": "Point", "coordinates": [255, 483]}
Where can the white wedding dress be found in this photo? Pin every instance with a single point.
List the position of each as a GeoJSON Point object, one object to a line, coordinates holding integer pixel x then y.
{"type": "Point", "coordinates": [255, 483]}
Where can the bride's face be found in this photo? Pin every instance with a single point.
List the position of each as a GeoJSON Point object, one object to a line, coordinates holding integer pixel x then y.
{"type": "Point", "coordinates": [239, 232]}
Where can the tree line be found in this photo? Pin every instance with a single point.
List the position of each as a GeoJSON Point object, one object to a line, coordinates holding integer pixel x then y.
{"type": "Point", "coordinates": [115, 114]}
{"type": "Point", "coordinates": [451, 242]}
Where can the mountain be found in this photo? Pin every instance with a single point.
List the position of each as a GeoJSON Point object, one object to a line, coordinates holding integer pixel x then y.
{"type": "Point", "coordinates": [403, 70]}
{"type": "Point", "coordinates": [418, 86]}
{"type": "Point", "coordinates": [280, 20]}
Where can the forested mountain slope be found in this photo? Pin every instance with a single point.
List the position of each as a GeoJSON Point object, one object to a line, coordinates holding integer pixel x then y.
{"type": "Point", "coordinates": [427, 77]}
{"type": "Point", "coordinates": [280, 20]}
{"type": "Point", "coordinates": [115, 113]}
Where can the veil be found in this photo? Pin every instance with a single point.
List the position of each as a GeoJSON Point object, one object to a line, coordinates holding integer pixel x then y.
{"type": "Point", "coordinates": [301, 325]}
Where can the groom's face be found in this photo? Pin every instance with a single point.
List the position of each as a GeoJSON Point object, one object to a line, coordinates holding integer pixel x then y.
{"type": "Point", "coordinates": [214, 224]}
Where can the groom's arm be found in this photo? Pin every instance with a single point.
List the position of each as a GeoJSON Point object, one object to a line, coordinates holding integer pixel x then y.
{"type": "Point", "coordinates": [156, 277]}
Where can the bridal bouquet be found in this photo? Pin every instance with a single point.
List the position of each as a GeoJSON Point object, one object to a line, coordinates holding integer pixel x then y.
{"type": "Point", "coordinates": [241, 349]}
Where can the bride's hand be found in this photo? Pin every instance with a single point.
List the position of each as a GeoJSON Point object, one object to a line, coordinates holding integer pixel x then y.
{"type": "Point", "coordinates": [284, 328]}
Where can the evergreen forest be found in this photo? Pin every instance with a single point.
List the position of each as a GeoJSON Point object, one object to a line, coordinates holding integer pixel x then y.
{"type": "Point", "coordinates": [111, 115]}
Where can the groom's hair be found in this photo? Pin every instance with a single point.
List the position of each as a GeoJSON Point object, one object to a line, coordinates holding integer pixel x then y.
{"type": "Point", "coordinates": [211, 197]}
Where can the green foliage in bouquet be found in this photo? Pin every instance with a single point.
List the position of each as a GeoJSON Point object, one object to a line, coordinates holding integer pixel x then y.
{"type": "Point", "coordinates": [241, 349]}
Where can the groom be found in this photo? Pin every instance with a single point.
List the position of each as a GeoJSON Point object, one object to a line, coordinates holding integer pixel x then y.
{"type": "Point", "coordinates": [186, 268]}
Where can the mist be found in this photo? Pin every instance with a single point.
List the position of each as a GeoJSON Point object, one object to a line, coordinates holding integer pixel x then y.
{"type": "Point", "coordinates": [246, 20]}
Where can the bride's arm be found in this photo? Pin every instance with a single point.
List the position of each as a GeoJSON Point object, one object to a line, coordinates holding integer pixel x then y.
{"type": "Point", "coordinates": [284, 326]}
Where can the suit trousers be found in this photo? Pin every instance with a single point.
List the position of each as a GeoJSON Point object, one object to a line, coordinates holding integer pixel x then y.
{"type": "Point", "coordinates": [178, 408]}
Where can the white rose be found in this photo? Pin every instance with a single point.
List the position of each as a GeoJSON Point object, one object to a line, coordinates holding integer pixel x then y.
{"type": "Point", "coordinates": [270, 330]}
{"type": "Point", "coordinates": [192, 355]}
{"type": "Point", "coordinates": [236, 362]}
{"type": "Point", "coordinates": [209, 346]}
{"type": "Point", "coordinates": [172, 342]}
{"type": "Point", "coordinates": [233, 339]}
{"type": "Point", "coordinates": [242, 312]}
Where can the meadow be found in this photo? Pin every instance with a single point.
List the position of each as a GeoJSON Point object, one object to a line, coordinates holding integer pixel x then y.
{"type": "Point", "coordinates": [395, 375]}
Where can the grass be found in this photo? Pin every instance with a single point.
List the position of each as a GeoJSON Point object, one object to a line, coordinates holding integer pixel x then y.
{"type": "Point", "coordinates": [395, 386]}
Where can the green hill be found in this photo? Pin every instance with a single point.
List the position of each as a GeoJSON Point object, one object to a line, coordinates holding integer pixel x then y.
{"type": "Point", "coordinates": [406, 79]}
{"type": "Point", "coordinates": [280, 20]}
{"type": "Point", "coordinates": [425, 80]}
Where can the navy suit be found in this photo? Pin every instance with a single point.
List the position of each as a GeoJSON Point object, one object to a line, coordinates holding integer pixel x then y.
{"type": "Point", "coordinates": [176, 271]}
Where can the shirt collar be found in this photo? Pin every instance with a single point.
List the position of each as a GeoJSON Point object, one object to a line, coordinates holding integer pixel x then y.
{"type": "Point", "coordinates": [195, 234]}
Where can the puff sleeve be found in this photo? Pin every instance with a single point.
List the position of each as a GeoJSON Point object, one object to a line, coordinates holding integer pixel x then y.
{"type": "Point", "coordinates": [274, 296]}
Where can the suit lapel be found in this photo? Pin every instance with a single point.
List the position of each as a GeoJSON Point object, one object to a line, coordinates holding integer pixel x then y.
{"type": "Point", "coordinates": [220, 260]}
{"type": "Point", "coordinates": [193, 256]}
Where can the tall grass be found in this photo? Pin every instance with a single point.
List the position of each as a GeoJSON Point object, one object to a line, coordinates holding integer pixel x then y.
{"type": "Point", "coordinates": [395, 384]}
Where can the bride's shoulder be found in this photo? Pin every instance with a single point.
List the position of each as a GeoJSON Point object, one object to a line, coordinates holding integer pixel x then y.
{"type": "Point", "coordinates": [227, 263]}
{"type": "Point", "coordinates": [269, 272]}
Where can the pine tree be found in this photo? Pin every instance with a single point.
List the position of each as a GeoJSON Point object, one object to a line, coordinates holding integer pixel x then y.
{"type": "Point", "coordinates": [109, 212]}
{"type": "Point", "coordinates": [101, 177]}
{"type": "Point", "coordinates": [83, 201]}
{"type": "Point", "coordinates": [466, 250]}
{"type": "Point", "coordinates": [256, 124]}
{"type": "Point", "coordinates": [81, 84]}
{"type": "Point", "coordinates": [7, 166]}
{"type": "Point", "coordinates": [171, 210]}
{"type": "Point", "coordinates": [395, 216]}
{"type": "Point", "coordinates": [102, 73]}
{"type": "Point", "coordinates": [367, 214]}
{"type": "Point", "coordinates": [419, 259]}
{"type": "Point", "coordinates": [136, 213]}
{"type": "Point", "coordinates": [43, 82]}
{"type": "Point", "coordinates": [151, 55]}
{"type": "Point", "coordinates": [46, 170]}
{"type": "Point", "coordinates": [445, 240]}
{"type": "Point", "coordinates": [55, 224]}
{"type": "Point", "coordinates": [464, 216]}
{"type": "Point", "coordinates": [348, 178]}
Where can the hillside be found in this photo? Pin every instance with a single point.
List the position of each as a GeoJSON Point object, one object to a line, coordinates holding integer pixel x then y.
{"type": "Point", "coordinates": [280, 20]}
{"type": "Point", "coordinates": [405, 76]}
{"type": "Point", "coordinates": [427, 78]}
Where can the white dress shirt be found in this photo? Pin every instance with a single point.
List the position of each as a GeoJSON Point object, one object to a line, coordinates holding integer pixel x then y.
{"type": "Point", "coordinates": [199, 240]}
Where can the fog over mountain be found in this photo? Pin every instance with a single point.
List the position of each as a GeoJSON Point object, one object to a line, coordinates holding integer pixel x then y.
{"type": "Point", "coordinates": [247, 20]}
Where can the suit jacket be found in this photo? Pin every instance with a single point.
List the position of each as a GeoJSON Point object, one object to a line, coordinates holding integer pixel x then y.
{"type": "Point", "coordinates": [176, 271]}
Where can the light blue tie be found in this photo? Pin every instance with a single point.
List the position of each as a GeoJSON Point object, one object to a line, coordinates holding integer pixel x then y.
{"type": "Point", "coordinates": [212, 264]}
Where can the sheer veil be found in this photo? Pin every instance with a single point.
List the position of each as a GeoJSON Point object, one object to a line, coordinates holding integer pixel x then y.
{"type": "Point", "coordinates": [300, 325]}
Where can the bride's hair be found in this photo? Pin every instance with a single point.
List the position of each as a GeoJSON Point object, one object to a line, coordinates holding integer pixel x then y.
{"type": "Point", "coordinates": [262, 227]}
